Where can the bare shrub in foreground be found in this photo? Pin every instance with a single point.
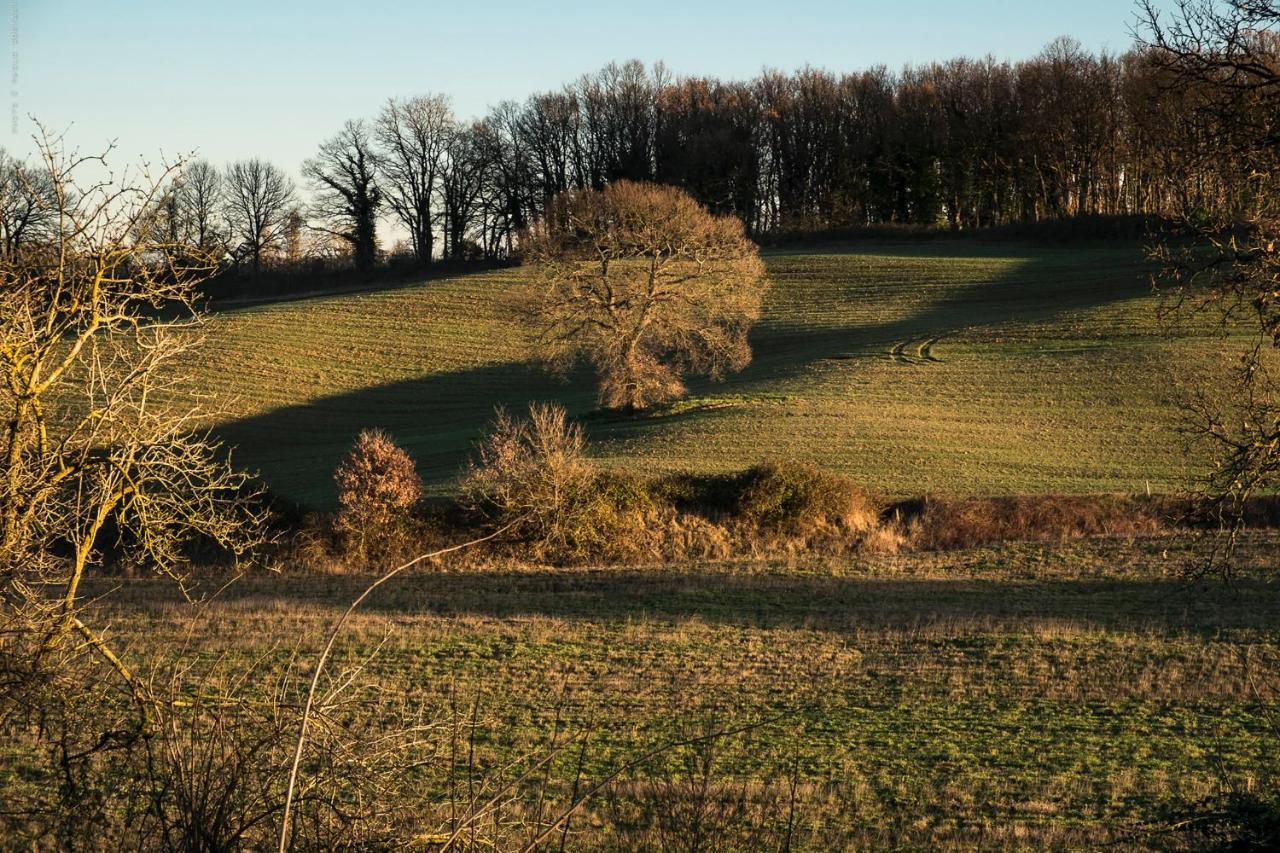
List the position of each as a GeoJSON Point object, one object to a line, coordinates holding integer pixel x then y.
{"type": "Point", "coordinates": [211, 772]}
{"type": "Point", "coordinates": [101, 455]}
{"type": "Point", "coordinates": [97, 452]}
{"type": "Point", "coordinates": [534, 475]}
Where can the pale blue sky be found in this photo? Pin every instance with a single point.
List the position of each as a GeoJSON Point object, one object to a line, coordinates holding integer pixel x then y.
{"type": "Point", "coordinates": [235, 79]}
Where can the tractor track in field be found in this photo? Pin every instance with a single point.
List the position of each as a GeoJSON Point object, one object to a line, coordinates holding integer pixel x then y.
{"type": "Point", "coordinates": [923, 351]}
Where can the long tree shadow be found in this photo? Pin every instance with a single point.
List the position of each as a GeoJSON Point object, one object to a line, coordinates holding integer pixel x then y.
{"type": "Point", "coordinates": [231, 296]}
{"type": "Point", "coordinates": [437, 417]}
{"type": "Point", "coordinates": [838, 604]}
{"type": "Point", "coordinates": [1029, 291]}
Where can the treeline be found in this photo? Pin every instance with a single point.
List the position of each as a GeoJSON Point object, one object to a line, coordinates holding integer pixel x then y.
{"type": "Point", "coordinates": [962, 144]}
{"type": "Point", "coordinates": [966, 143]}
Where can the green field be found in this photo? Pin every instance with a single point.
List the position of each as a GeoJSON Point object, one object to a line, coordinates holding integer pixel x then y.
{"type": "Point", "coordinates": [1029, 697]}
{"type": "Point", "coordinates": [953, 368]}
{"type": "Point", "coordinates": [1071, 695]}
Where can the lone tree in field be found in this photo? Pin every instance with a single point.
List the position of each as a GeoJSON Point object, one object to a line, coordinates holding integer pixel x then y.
{"type": "Point", "coordinates": [646, 285]}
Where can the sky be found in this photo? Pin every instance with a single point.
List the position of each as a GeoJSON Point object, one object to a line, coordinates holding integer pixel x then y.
{"type": "Point", "coordinates": [273, 78]}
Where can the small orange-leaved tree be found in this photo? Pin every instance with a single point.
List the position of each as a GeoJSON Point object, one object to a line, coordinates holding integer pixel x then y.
{"type": "Point", "coordinates": [378, 488]}
{"type": "Point", "coordinates": [646, 285]}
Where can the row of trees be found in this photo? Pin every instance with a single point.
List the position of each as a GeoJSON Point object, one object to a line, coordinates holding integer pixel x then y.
{"type": "Point", "coordinates": [248, 211]}
{"type": "Point", "coordinates": [964, 144]}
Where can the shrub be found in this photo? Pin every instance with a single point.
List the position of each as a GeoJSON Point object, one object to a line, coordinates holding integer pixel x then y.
{"type": "Point", "coordinates": [796, 498]}
{"type": "Point", "coordinates": [533, 477]}
{"type": "Point", "coordinates": [378, 489]}
{"type": "Point", "coordinates": [708, 495]}
{"type": "Point", "coordinates": [945, 524]}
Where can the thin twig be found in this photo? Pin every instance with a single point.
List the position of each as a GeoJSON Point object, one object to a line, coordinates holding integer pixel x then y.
{"type": "Point", "coordinates": [324, 658]}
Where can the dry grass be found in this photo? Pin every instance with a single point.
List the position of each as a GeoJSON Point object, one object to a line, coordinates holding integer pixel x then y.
{"type": "Point", "coordinates": [949, 524]}
{"type": "Point", "coordinates": [1066, 695]}
{"type": "Point", "coordinates": [534, 480]}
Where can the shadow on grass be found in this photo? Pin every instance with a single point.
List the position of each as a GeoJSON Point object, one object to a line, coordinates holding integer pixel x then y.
{"type": "Point", "coordinates": [437, 417]}
{"type": "Point", "coordinates": [771, 600]}
{"type": "Point", "coordinates": [231, 294]}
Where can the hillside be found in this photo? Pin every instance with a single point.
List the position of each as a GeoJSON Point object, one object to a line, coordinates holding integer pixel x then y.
{"type": "Point", "coordinates": [934, 367]}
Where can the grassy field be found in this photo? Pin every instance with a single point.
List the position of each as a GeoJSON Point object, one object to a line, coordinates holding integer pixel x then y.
{"type": "Point", "coordinates": [1070, 696]}
{"type": "Point", "coordinates": [953, 368]}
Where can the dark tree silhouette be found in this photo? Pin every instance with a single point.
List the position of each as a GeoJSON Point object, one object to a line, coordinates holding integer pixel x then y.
{"type": "Point", "coordinates": [257, 199]}
{"type": "Point", "coordinates": [346, 196]}
{"type": "Point", "coordinates": [1226, 54]}
{"type": "Point", "coordinates": [413, 137]}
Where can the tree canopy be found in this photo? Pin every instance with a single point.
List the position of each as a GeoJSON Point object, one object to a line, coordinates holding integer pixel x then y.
{"type": "Point", "coordinates": [646, 285]}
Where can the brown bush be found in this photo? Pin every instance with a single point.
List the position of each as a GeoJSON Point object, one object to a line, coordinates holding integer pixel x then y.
{"type": "Point", "coordinates": [946, 524]}
{"type": "Point", "coordinates": [533, 477]}
{"type": "Point", "coordinates": [378, 489]}
{"type": "Point", "coordinates": [799, 499]}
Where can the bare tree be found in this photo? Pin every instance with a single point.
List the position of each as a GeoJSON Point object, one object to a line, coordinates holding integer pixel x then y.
{"type": "Point", "coordinates": [343, 179]}
{"type": "Point", "coordinates": [200, 200]}
{"type": "Point", "coordinates": [646, 285]}
{"type": "Point", "coordinates": [509, 182]}
{"type": "Point", "coordinates": [27, 205]}
{"type": "Point", "coordinates": [413, 137]}
{"type": "Point", "coordinates": [258, 197]}
{"type": "Point", "coordinates": [91, 330]}
{"type": "Point", "coordinates": [1227, 52]}
{"type": "Point", "coordinates": [462, 184]}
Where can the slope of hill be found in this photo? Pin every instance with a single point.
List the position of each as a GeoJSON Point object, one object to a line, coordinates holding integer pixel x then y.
{"type": "Point", "coordinates": [946, 368]}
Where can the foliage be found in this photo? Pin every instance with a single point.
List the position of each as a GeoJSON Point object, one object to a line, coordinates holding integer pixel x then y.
{"type": "Point", "coordinates": [533, 478]}
{"type": "Point", "coordinates": [646, 285]}
{"type": "Point", "coordinates": [1234, 820]}
{"type": "Point", "coordinates": [378, 490]}
{"type": "Point", "coordinates": [801, 498]}
{"type": "Point", "coordinates": [377, 479]}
